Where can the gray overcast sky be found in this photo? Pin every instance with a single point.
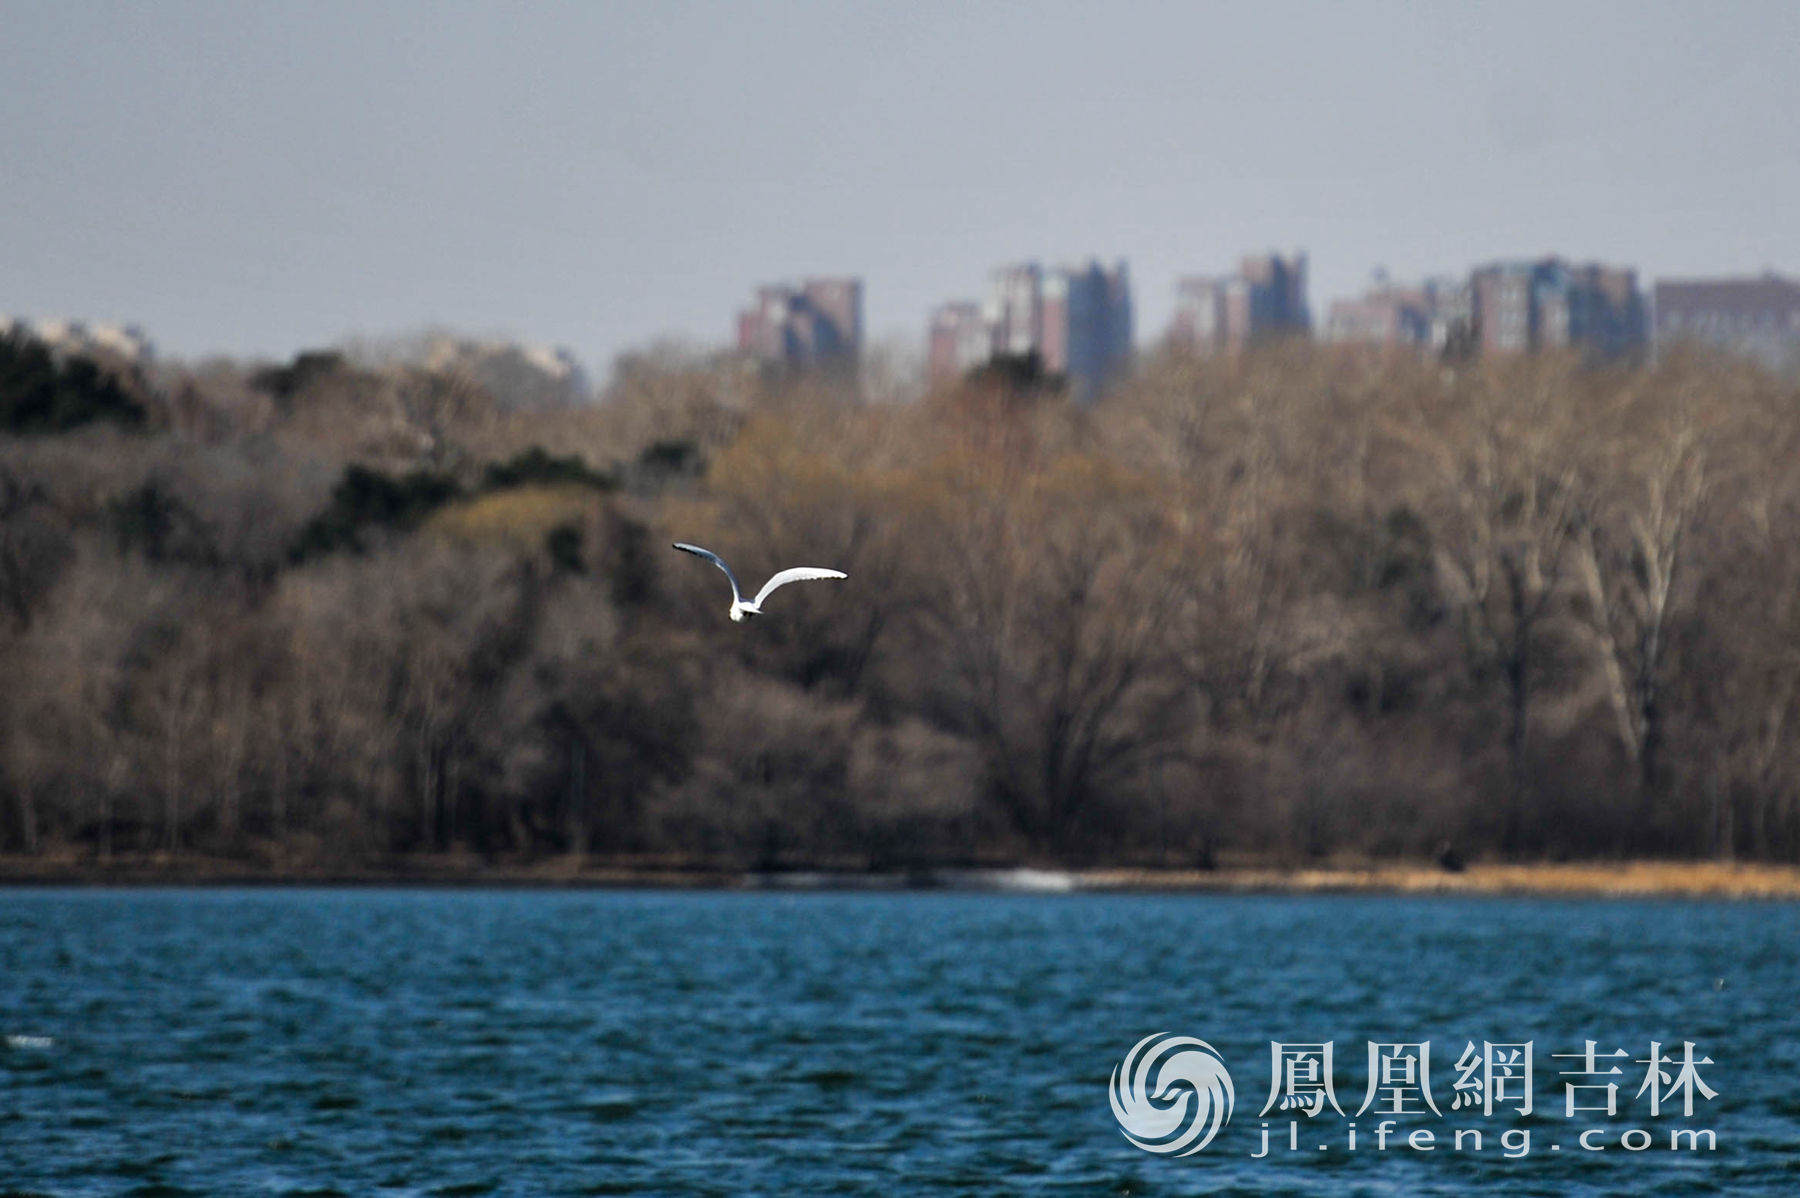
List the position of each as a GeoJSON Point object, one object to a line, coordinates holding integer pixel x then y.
{"type": "Point", "coordinates": [255, 178]}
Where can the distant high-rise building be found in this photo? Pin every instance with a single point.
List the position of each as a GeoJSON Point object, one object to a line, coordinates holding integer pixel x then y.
{"type": "Point", "coordinates": [840, 302]}
{"type": "Point", "coordinates": [1077, 319]}
{"type": "Point", "coordinates": [819, 323]}
{"type": "Point", "coordinates": [1421, 318]}
{"type": "Point", "coordinates": [1087, 324]}
{"type": "Point", "coordinates": [1277, 293]}
{"type": "Point", "coordinates": [961, 340]}
{"type": "Point", "coordinates": [1506, 306]}
{"type": "Point", "coordinates": [1265, 298]}
{"type": "Point", "coordinates": [1529, 305]}
{"type": "Point", "coordinates": [1756, 317]}
{"type": "Point", "coordinates": [1015, 308]}
{"type": "Point", "coordinates": [1386, 316]}
{"type": "Point", "coordinates": [1200, 312]}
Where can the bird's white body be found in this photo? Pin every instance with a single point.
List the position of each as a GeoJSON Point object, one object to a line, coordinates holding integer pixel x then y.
{"type": "Point", "coordinates": [741, 608]}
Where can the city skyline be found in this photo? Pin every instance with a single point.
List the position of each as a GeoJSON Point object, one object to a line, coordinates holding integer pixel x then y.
{"type": "Point", "coordinates": [257, 181]}
{"type": "Point", "coordinates": [1079, 319]}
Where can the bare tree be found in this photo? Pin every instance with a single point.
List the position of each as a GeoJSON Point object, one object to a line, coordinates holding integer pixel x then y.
{"type": "Point", "coordinates": [1056, 586]}
{"type": "Point", "coordinates": [1631, 545]}
{"type": "Point", "coordinates": [1503, 496]}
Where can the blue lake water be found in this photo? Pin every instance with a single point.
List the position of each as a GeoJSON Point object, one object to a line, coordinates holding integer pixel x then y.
{"type": "Point", "coordinates": [395, 1042]}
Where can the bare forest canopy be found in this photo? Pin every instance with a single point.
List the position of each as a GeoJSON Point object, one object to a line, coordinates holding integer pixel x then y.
{"type": "Point", "coordinates": [1287, 605]}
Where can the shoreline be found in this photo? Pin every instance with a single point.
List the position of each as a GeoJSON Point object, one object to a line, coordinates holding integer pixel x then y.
{"type": "Point", "coordinates": [1626, 879]}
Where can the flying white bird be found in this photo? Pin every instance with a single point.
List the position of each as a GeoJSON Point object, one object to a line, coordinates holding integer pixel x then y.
{"type": "Point", "coordinates": [741, 608]}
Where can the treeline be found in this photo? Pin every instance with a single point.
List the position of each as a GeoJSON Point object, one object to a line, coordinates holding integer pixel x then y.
{"type": "Point", "coordinates": [1290, 605]}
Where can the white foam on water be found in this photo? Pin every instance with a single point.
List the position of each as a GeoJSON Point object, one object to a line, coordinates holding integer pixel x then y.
{"type": "Point", "coordinates": [1054, 880]}
{"type": "Point", "coordinates": [38, 1042]}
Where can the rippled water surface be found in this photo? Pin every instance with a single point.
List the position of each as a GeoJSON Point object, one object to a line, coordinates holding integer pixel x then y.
{"type": "Point", "coordinates": [466, 1043]}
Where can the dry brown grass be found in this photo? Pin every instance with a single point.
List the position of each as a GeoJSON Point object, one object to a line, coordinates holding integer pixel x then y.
{"type": "Point", "coordinates": [1700, 879]}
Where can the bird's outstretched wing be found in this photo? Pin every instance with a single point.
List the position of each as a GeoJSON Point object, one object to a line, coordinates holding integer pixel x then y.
{"type": "Point", "coordinates": [736, 594]}
{"type": "Point", "coordinates": [792, 574]}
